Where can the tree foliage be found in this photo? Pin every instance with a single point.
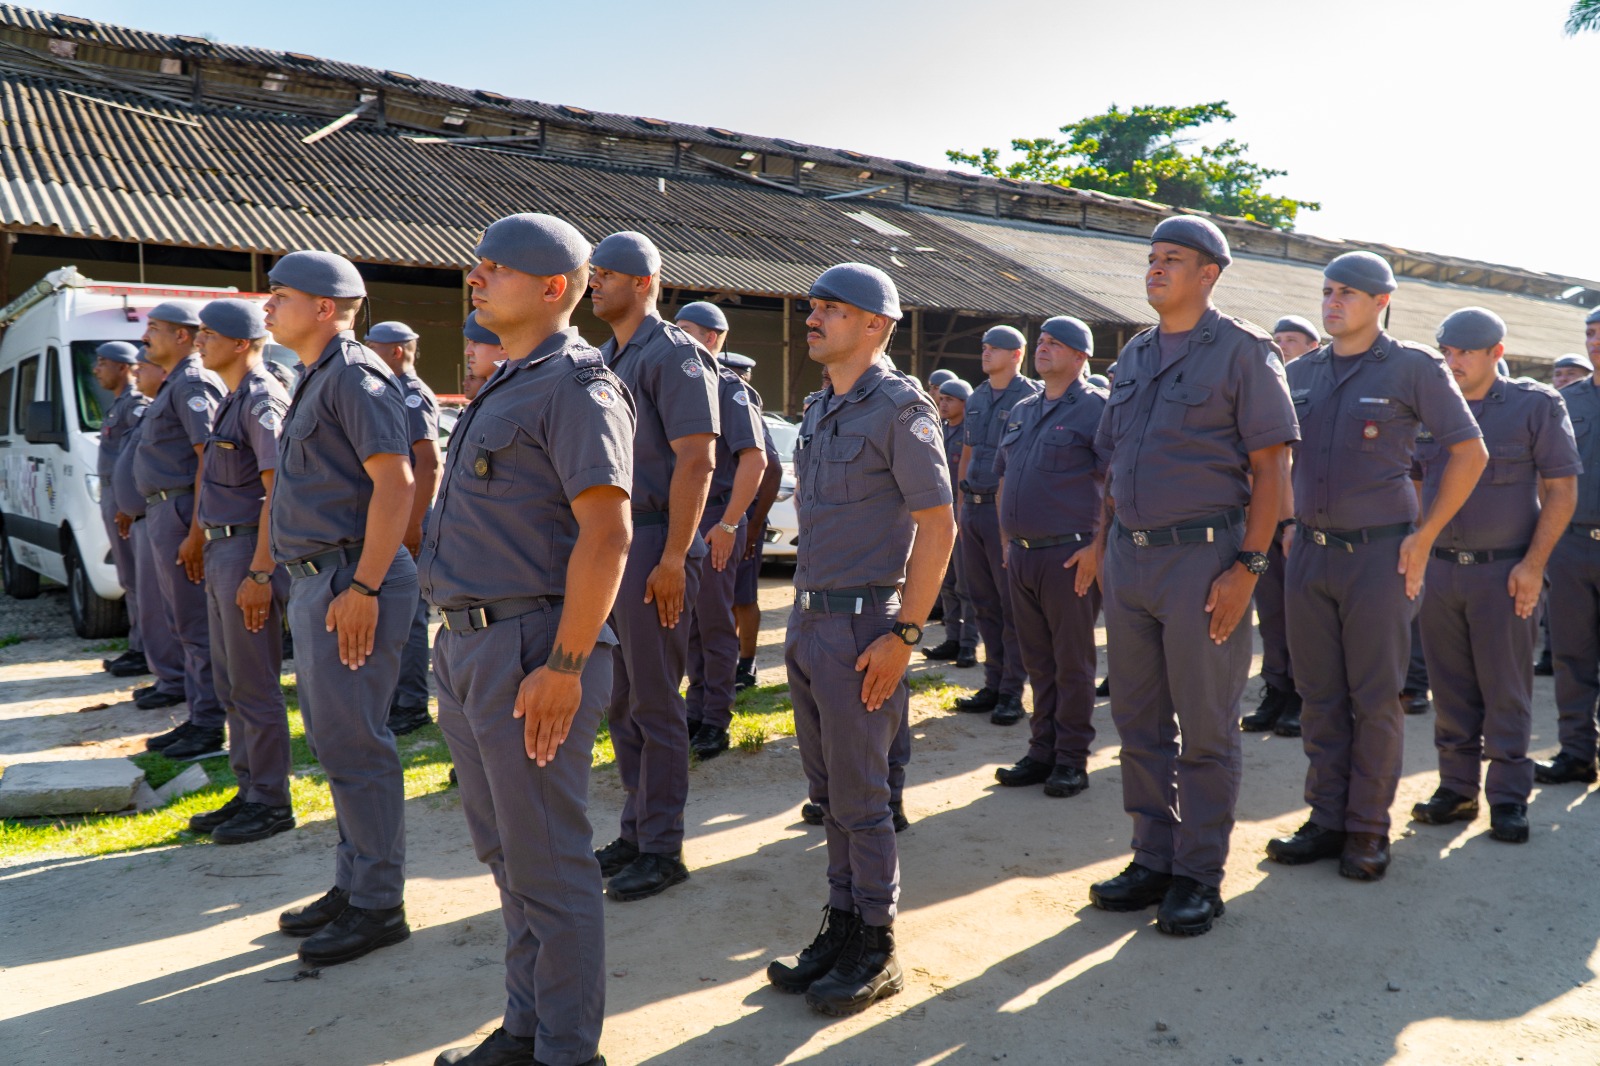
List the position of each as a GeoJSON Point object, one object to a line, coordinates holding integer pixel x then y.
{"type": "Point", "coordinates": [1584, 16]}
{"type": "Point", "coordinates": [1140, 153]}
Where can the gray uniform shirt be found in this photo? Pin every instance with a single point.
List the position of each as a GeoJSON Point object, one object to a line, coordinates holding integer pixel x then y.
{"type": "Point", "coordinates": [125, 491]}
{"type": "Point", "coordinates": [864, 461]}
{"type": "Point", "coordinates": [673, 382]}
{"type": "Point", "coordinates": [985, 423]}
{"type": "Point", "coordinates": [740, 419]}
{"type": "Point", "coordinates": [1529, 436]}
{"type": "Point", "coordinates": [243, 443]}
{"type": "Point", "coordinates": [1583, 406]}
{"type": "Point", "coordinates": [179, 418]}
{"type": "Point", "coordinates": [1053, 476]}
{"type": "Point", "coordinates": [545, 429]}
{"type": "Point", "coordinates": [120, 418]}
{"type": "Point", "coordinates": [346, 409]}
{"type": "Point", "coordinates": [1360, 416]}
{"type": "Point", "coordinates": [954, 438]}
{"type": "Point", "coordinates": [422, 407]}
{"type": "Point", "coordinates": [1179, 427]}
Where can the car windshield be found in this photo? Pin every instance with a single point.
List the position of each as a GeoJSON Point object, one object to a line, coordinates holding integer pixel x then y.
{"type": "Point", "coordinates": [93, 401]}
{"type": "Point", "coordinates": [784, 435]}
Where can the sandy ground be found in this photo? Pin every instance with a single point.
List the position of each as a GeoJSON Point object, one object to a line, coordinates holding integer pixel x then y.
{"type": "Point", "coordinates": [1469, 952]}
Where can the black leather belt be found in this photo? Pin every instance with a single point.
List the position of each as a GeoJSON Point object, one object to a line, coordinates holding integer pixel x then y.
{"type": "Point", "coordinates": [223, 532]}
{"type": "Point", "coordinates": [1466, 558]}
{"type": "Point", "coordinates": [1349, 538]}
{"type": "Point", "coordinates": [1579, 530]}
{"type": "Point", "coordinates": [167, 494]}
{"type": "Point", "coordinates": [649, 518]}
{"type": "Point", "coordinates": [845, 601]}
{"type": "Point", "coordinates": [1051, 542]}
{"type": "Point", "coordinates": [482, 617]}
{"type": "Point", "coordinates": [978, 497]}
{"type": "Point", "coordinates": [315, 564]}
{"type": "Point", "coordinates": [1202, 532]}
{"type": "Point", "coordinates": [720, 500]}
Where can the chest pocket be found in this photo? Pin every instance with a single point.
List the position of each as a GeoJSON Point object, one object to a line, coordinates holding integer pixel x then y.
{"type": "Point", "coordinates": [1510, 464]}
{"type": "Point", "coordinates": [229, 465]}
{"type": "Point", "coordinates": [298, 458]}
{"type": "Point", "coordinates": [1057, 447]}
{"type": "Point", "coordinates": [1118, 408]}
{"type": "Point", "coordinates": [1374, 427]}
{"type": "Point", "coordinates": [838, 470]}
{"type": "Point", "coordinates": [1185, 404]}
{"type": "Point", "coordinates": [488, 463]}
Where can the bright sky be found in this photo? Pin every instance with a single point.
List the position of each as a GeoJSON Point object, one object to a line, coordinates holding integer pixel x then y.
{"type": "Point", "coordinates": [1461, 127]}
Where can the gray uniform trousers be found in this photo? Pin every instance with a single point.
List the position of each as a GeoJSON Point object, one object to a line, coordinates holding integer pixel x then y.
{"type": "Point", "coordinates": [844, 749]}
{"type": "Point", "coordinates": [161, 648]}
{"type": "Point", "coordinates": [412, 689]}
{"type": "Point", "coordinates": [530, 826]}
{"type": "Point", "coordinates": [1166, 676]}
{"type": "Point", "coordinates": [122, 558]}
{"type": "Point", "coordinates": [1481, 656]}
{"type": "Point", "coordinates": [1575, 641]}
{"type": "Point", "coordinates": [982, 552]}
{"type": "Point", "coordinates": [245, 667]}
{"type": "Point", "coordinates": [167, 523]}
{"type": "Point", "coordinates": [1055, 627]}
{"type": "Point", "coordinates": [649, 721]}
{"type": "Point", "coordinates": [713, 637]}
{"type": "Point", "coordinates": [1350, 637]}
{"type": "Point", "coordinates": [1275, 662]}
{"type": "Point", "coordinates": [900, 754]}
{"type": "Point", "coordinates": [346, 715]}
{"type": "Point", "coordinates": [1417, 663]}
{"type": "Point", "coordinates": [960, 617]}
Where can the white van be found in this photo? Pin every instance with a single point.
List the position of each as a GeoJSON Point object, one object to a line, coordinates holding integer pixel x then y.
{"type": "Point", "coordinates": [50, 413]}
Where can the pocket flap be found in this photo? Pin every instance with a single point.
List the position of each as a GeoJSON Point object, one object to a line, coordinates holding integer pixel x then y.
{"type": "Point", "coordinates": [492, 433]}
{"type": "Point", "coordinates": [1188, 395]}
{"type": "Point", "coordinates": [302, 427]}
{"type": "Point", "coordinates": [841, 449]}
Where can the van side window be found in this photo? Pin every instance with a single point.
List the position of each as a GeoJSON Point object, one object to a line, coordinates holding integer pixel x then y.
{"type": "Point", "coordinates": [93, 401]}
{"type": "Point", "coordinates": [6, 381]}
{"type": "Point", "coordinates": [52, 387]}
{"type": "Point", "coordinates": [27, 378]}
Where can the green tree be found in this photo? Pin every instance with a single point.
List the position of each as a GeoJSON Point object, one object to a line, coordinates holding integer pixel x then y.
{"type": "Point", "coordinates": [1140, 153]}
{"type": "Point", "coordinates": [1584, 16]}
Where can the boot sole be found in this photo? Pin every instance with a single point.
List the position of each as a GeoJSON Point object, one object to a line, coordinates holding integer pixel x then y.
{"type": "Point", "coordinates": [1173, 929]}
{"type": "Point", "coordinates": [844, 1010]}
{"type": "Point", "coordinates": [1063, 793]}
{"type": "Point", "coordinates": [1434, 819]}
{"type": "Point", "coordinates": [1567, 780]}
{"type": "Point", "coordinates": [1019, 784]}
{"type": "Point", "coordinates": [271, 831]}
{"type": "Point", "coordinates": [788, 986]}
{"type": "Point", "coordinates": [1513, 836]}
{"type": "Point", "coordinates": [1256, 727]}
{"type": "Point", "coordinates": [1118, 906]}
{"type": "Point", "coordinates": [646, 893]}
{"type": "Point", "coordinates": [210, 753]}
{"type": "Point", "coordinates": [1004, 721]}
{"type": "Point", "coordinates": [1300, 860]}
{"type": "Point", "coordinates": [709, 753]}
{"type": "Point", "coordinates": [386, 940]}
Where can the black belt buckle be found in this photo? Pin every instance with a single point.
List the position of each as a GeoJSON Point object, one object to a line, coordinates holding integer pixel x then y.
{"type": "Point", "coordinates": [1141, 539]}
{"type": "Point", "coordinates": [472, 618]}
{"type": "Point", "coordinates": [1318, 537]}
{"type": "Point", "coordinates": [1466, 558]}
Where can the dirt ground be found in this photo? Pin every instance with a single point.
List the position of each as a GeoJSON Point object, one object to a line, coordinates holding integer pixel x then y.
{"type": "Point", "coordinates": [1470, 952]}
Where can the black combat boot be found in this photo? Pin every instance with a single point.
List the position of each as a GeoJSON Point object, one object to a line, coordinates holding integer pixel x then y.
{"type": "Point", "coordinates": [795, 973]}
{"type": "Point", "coordinates": [866, 972]}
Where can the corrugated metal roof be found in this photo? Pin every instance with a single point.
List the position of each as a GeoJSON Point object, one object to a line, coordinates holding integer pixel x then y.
{"type": "Point", "coordinates": [1109, 272]}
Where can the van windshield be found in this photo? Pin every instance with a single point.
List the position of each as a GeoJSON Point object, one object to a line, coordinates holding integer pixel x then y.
{"type": "Point", "coordinates": [93, 401]}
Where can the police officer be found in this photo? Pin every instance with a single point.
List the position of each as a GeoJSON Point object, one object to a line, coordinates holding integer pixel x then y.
{"type": "Point", "coordinates": [114, 364]}
{"type": "Point", "coordinates": [1485, 577]}
{"type": "Point", "coordinates": [340, 504]}
{"type": "Point", "coordinates": [1357, 555]}
{"type": "Point", "coordinates": [741, 460]}
{"type": "Point", "coordinates": [523, 555]}
{"type": "Point", "coordinates": [245, 588]}
{"type": "Point", "coordinates": [869, 457]}
{"type": "Point", "coordinates": [1569, 369]}
{"type": "Point", "coordinates": [982, 549]}
{"type": "Point", "coordinates": [674, 383]}
{"type": "Point", "coordinates": [960, 643]}
{"type": "Point", "coordinates": [746, 583]}
{"type": "Point", "coordinates": [1279, 710]}
{"type": "Point", "coordinates": [1575, 591]}
{"type": "Point", "coordinates": [162, 652]}
{"type": "Point", "coordinates": [396, 344]}
{"type": "Point", "coordinates": [1050, 501]}
{"type": "Point", "coordinates": [166, 469]}
{"type": "Point", "coordinates": [484, 355]}
{"type": "Point", "coordinates": [1196, 429]}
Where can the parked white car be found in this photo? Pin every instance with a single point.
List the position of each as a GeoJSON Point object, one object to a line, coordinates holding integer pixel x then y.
{"type": "Point", "coordinates": [783, 523]}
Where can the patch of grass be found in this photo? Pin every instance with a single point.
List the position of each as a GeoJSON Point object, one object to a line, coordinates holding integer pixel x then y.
{"type": "Point", "coordinates": [8, 639]}
{"type": "Point", "coordinates": [120, 644]}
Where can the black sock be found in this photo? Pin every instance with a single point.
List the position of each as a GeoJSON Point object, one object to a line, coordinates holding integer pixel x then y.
{"type": "Point", "coordinates": [747, 664]}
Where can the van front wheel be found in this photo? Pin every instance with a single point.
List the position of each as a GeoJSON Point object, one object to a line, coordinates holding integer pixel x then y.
{"type": "Point", "coordinates": [21, 583]}
{"type": "Point", "coordinates": [93, 618]}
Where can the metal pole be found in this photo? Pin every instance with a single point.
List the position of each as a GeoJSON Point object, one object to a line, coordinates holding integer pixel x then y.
{"type": "Point", "coordinates": [788, 378]}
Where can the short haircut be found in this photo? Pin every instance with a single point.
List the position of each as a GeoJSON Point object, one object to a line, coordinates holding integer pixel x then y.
{"type": "Point", "coordinates": [577, 285]}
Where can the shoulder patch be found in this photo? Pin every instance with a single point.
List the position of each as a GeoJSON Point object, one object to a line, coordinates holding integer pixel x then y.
{"type": "Point", "coordinates": [270, 420]}
{"type": "Point", "coordinates": [414, 401]}
{"type": "Point", "coordinates": [691, 366]}
{"type": "Point", "coordinates": [191, 372]}
{"type": "Point", "coordinates": [742, 398]}
{"type": "Point", "coordinates": [914, 410]}
{"type": "Point", "coordinates": [197, 403]}
{"type": "Point", "coordinates": [924, 428]}
{"type": "Point", "coordinates": [602, 392]}
{"type": "Point", "coordinates": [373, 386]}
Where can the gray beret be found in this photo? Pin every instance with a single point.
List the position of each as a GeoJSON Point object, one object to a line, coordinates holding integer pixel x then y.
{"type": "Point", "coordinates": [1071, 332]}
{"type": "Point", "coordinates": [391, 333]}
{"type": "Point", "coordinates": [1574, 359]}
{"type": "Point", "coordinates": [1196, 233]}
{"type": "Point", "coordinates": [235, 319]}
{"type": "Point", "coordinates": [628, 252]}
{"type": "Point", "coordinates": [859, 285]}
{"type": "Point", "coordinates": [318, 273]}
{"type": "Point", "coordinates": [144, 356]}
{"type": "Point", "coordinates": [939, 377]}
{"type": "Point", "coordinates": [1296, 324]}
{"type": "Point", "coordinates": [541, 245]}
{"type": "Point", "coordinates": [704, 314]}
{"type": "Point", "coordinates": [955, 387]}
{"type": "Point", "coordinates": [478, 334]}
{"type": "Point", "coordinates": [1005, 337]}
{"type": "Point", "coordinates": [1592, 317]}
{"type": "Point", "coordinates": [735, 361]}
{"type": "Point", "coordinates": [1471, 329]}
{"type": "Point", "coordinates": [1112, 369]}
{"type": "Point", "coordinates": [178, 312]}
{"type": "Point", "coordinates": [1099, 379]}
{"type": "Point", "coordinates": [121, 352]}
{"type": "Point", "coordinates": [1361, 270]}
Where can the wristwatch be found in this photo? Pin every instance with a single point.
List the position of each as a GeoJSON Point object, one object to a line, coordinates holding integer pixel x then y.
{"type": "Point", "coordinates": [908, 632]}
{"type": "Point", "coordinates": [729, 530]}
{"type": "Point", "coordinates": [261, 577]}
{"type": "Point", "coordinates": [1255, 562]}
{"type": "Point", "coordinates": [364, 590]}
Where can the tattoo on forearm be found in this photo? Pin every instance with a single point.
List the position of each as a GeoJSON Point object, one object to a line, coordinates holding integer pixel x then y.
{"type": "Point", "coordinates": [562, 661]}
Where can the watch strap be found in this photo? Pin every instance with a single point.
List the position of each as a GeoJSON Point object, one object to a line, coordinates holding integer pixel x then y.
{"type": "Point", "coordinates": [365, 590]}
